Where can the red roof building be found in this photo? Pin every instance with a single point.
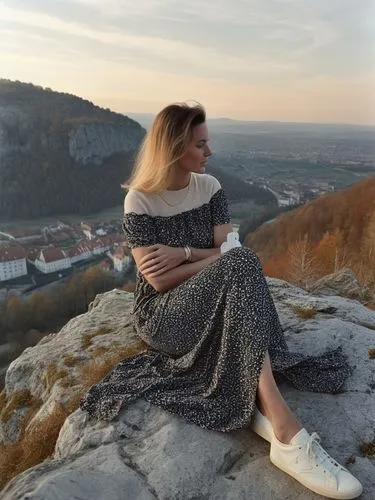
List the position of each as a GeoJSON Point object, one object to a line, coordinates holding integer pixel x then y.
{"type": "Point", "coordinates": [52, 259]}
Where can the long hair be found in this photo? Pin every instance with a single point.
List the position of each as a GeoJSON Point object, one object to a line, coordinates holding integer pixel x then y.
{"type": "Point", "coordinates": [164, 144]}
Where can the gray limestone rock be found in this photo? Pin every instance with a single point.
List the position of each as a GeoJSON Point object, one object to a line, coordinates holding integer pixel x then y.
{"type": "Point", "coordinates": [148, 453]}
{"type": "Point", "coordinates": [110, 314]}
{"type": "Point", "coordinates": [343, 283]}
{"type": "Point", "coordinates": [92, 142]}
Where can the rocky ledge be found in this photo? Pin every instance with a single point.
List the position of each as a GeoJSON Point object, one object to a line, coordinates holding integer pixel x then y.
{"type": "Point", "coordinates": [147, 453]}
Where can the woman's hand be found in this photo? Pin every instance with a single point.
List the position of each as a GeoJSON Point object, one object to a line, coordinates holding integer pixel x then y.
{"type": "Point", "coordinates": [161, 258]}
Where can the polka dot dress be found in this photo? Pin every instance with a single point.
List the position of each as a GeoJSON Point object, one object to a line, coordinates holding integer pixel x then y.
{"type": "Point", "coordinates": [208, 336]}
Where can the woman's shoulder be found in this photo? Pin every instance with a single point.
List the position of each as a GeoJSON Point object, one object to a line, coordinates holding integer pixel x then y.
{"type": "Point", "coordinates": [208, 184]}
{"type": "Point", "coordinates": [138, 202]}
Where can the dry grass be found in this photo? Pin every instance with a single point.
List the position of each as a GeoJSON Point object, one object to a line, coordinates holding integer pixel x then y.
{"type": "Point", "coordinates": [52, 375]}
{"type": "Point", "coordinates": [367, 449]}
{"type": "Point", "coordinates": [39, 442]}
{"type": "Point", "coordinates": [3, 400]}
{"type": "Point", "coordinates": [71, 360]}
{"type": "Point", "coordinates": [17, 400]}
{"type": "Point", "coordinates": [95, 370]}
{"type": "Point", "coordinates": [304, 312]}
{"type": "Point", "coordinates": [87, 337]}
{"type": "Point", "coordinates": [371, 353]}
{"type": "Point", "coordinates": [98, 351]}
{"type": "Point", "coordinates": [73, 404]}
{"type": "Point", "coordinates": [33, 447]}
{"type": "Point", "coordinates": [68, 382]}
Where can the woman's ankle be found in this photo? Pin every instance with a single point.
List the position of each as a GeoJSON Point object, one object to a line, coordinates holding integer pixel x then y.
{"type": "Point", "coordinates": [285, 433]}
{"type": "Point", "coordinates": [284, 423]}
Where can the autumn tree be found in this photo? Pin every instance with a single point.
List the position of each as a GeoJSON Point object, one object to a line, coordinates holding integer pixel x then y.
{"type": "Point", "coordinates": [277, 267]}
{"type": "Point", "coordinates": [331, 253]}
{"type": "Point", "coordinates": [16, 313]}
{"type": "Point", "coordinates": [301, 263]}
{"type": "Point", "coordinates": [367, 261]}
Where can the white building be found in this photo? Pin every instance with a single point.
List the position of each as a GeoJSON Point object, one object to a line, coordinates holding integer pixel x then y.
{"type": "Point", "coordinates": [12, 262]}
{"type": "Point", "coordinates": [121, 259]}
{"type": "Point", "coordinates": [87, 230]}
{"type": "Point", "coordinates": [51, 260]}
{"type": "Point", "coordinates": [284, 202]}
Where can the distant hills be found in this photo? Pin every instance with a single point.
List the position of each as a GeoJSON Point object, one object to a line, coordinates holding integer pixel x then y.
{"type": "Point", "coordinates": [230, 125]}
{"type": "Point", "coordinates": [62, 154]}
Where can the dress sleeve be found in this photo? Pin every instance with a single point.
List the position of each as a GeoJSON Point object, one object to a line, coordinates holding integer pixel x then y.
{"type": "Point", "coordinates": [219, 208]}
{"type": "Point", "coordinates": [139, 230]}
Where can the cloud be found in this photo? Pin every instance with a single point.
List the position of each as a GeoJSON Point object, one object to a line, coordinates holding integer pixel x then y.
{"type": "Point", "coordinates": [273, 29]}
{"type": "Point", "coordinates": [152, 45]}
{"type": "Point", "coordinates": [173, 54]}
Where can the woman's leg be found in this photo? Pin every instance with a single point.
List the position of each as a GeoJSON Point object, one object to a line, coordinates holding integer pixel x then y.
{"type": "Point", "coordinates": [273, 406]}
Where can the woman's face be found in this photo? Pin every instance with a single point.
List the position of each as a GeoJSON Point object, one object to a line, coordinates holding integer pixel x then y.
{"type": "Point", "coordinates": [196, 155]}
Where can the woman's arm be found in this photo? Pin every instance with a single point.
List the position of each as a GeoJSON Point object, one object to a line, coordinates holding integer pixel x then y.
{"type": "Point", "coordinates": [173, 277]}
{"type": "Point", "coordinates": [201, 257]}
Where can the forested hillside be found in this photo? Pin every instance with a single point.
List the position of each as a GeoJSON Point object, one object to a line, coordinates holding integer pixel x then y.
{"type": "Point", "coordinates": [334, 231]}
{"type": "Point", "coordinates": [59, 153]}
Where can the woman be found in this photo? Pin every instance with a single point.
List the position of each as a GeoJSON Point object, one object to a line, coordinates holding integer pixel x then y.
{"type": "Point", "coordinates": [209, 320]}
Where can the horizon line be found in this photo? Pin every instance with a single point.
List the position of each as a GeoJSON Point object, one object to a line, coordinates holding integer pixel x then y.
{"type": "Point", "coordinates": [242, 120]}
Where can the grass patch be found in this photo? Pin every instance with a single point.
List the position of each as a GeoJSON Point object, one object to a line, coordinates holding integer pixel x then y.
{"type": "Point", "coordinates": [52, 375]}
{"type": "Point", "coordinates": [95, 370]}
{"type": "Point", "coordinates": [304, 312]}
{"type": "Point", "coordinates": [87, 337]}
{"type": "Point", "coordinates": [98, 351]}
{"type": "Point", "coordinates": [371, 353]}
{"type": "Point", "coordinates": [33, 447]}
{"type": "Point", "coordinates": [3, 400]}
{"type": "Point", "coordinates": [17, 400]}
{"type": "Point", "coordinates": [71, 360]}
{"type": "Point", "coordinates": [68, 382]}
{"type": "Point", "coordinates": [39, 442]}
{"type": "Point", "coordinates": [367, 449]}
{"type": "Point", "coordinates": [73, 404]}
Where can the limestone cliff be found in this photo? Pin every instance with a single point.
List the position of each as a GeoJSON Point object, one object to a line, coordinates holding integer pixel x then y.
{"type": "Point", "coordinates": [149, 454]}
{"type": "Point", "coordinates": [59, 153]}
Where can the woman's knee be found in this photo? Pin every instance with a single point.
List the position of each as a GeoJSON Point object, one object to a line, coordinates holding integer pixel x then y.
{"type": "Point", "coordinates": [243, 255]}
{"type": "Point", "coordinates": [240, 262]}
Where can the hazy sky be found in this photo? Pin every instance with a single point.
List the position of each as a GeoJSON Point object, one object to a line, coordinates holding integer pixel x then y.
{"type": "Point", "coordinates": [292, 60]}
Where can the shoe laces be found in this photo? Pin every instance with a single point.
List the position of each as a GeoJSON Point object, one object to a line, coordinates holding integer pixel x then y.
{"type": "Point", "coordinates": [317, 453]}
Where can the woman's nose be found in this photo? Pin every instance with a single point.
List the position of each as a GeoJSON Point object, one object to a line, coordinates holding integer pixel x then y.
{"type": "Point", "coordinates": [208, 151]}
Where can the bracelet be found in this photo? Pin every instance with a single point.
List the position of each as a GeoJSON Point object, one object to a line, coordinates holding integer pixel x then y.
{"type": "Point", "coordinates": [187, 251]}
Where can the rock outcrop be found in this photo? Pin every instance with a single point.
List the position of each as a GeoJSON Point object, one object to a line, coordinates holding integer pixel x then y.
{"type": "Point", "coordinates": [61, 154]}
{"type": "Point", "coordinates": [147, 453]}
{"type": "Point", "coordinates": [344, 283]}
{"type": "Point", "coordinates": [93, 142]}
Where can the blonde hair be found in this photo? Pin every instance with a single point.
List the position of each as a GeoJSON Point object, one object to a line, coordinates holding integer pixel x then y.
{"type": "Point", "coordinates": [164, 144]}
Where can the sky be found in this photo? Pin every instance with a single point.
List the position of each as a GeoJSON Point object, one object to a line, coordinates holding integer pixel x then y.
{"type": "Point", "coordinates": [286, 60]}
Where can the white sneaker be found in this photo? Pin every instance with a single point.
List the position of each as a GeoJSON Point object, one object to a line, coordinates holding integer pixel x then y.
{"type": "Point", "coordinates": [305, 460]}
{"type": "Point", "coordinates": [261, 425]}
